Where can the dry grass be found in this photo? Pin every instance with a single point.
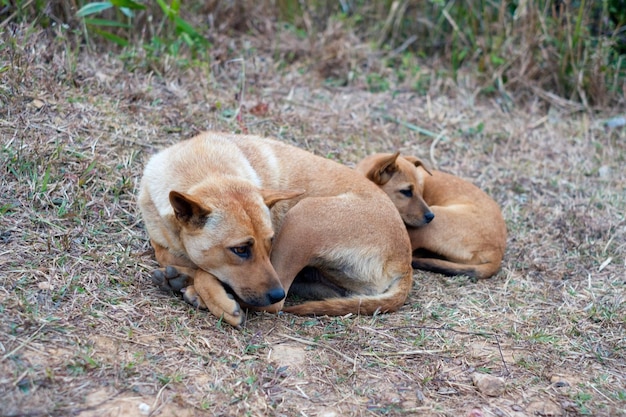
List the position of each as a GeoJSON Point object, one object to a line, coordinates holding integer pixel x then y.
{"type": "Point", "coordinates": [85, 333]}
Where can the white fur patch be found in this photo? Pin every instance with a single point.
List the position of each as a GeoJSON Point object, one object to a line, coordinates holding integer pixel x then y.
{"type": "Point", "coordinates": [364, 263]}
{"type": "Point", "coordinates": [188, 163]}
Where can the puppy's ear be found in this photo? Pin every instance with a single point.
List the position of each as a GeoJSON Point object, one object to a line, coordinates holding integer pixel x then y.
{"type": "Point", "coordinates": [272, 197]}
{"type": "Point", "coordinates": [383, 169]}
{"type": "Point", "coordinates": [188, 210]}
{"type": "Point", "coordinates": [418, 163]}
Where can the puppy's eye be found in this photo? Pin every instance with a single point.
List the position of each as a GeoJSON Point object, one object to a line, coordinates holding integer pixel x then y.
{"type": "Point", "coordinates": [243, 251]}
{"type": "Point", "coordinates": [407, 193]}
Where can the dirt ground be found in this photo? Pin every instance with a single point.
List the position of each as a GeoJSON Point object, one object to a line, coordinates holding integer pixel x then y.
{"type": "Point", "coordinates": [85, 333]}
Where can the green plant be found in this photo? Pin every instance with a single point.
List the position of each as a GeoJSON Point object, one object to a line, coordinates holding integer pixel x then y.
{"type": "Point", "coordinates": [377, 83]}
{"type": "Point", "coordinates": [169, 35]}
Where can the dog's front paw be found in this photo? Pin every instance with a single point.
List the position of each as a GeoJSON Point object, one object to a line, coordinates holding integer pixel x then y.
{"type": "Point", "coordinates": [226, 308]}
{"type": "Point", "coordinates": [192, 297]}
{"type": "Point", "coordinates": [170, 279]}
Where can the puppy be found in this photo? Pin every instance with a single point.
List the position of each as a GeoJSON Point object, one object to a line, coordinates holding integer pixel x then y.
{"type": "Point", "coordinates": [454, 227]}
{"type": "Point", "coordinates": [241, 220]}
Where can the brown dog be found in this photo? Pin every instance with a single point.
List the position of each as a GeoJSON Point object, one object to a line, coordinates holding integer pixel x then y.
{"type": "Point", "coordinates": [331, 235]}
{"type": "Point", "coordinates": [454, 227]}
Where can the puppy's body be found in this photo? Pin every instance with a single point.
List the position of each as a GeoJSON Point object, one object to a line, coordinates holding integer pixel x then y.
{"type": "Point", "coordinates": [204, 202]}
{"type": "Point", "coordinates": [467, 234]}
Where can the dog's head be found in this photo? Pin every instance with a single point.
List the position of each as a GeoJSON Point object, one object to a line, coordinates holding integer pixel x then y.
{"type": "Point", "coordinates": [226, 230]}
{"type": "Point", "coordinates": [402, 178]}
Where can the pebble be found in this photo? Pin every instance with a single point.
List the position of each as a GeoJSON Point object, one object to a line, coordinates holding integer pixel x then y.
{"type": "Point", "coordinates": [604, 172]}
{"type": "Point", "coordinates": [144, 409]}
{"type": "Point", "coordinates": [492, 386]}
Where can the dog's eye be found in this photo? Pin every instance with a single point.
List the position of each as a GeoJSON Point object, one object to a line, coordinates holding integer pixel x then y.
{"type": "Point", "coordinates": [407, 193]}
{"type": "Point", "coordinates": [243, 251]}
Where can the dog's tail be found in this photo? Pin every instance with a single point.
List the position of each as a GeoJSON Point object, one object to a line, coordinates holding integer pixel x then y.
{"type": "Point", "coordinates": [441, 266]}
{"type": "Point", "coordinates": [386, 302]}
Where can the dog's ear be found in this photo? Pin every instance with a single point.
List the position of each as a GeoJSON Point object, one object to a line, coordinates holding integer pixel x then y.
{"type": "Point", "coordinates": [188, 210]}
{"type": "Point", "coordinates": [383, 169]}
{"type": "Point", "coordinates": [272, 197]}
{"type": "Point", "coordinates": [418, 163]}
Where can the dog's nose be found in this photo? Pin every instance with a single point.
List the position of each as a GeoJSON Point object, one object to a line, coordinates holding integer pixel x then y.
{"type": "Point", "coordinates": [275, 295]}
{"type": "Point", "coordinates": [429, 216]}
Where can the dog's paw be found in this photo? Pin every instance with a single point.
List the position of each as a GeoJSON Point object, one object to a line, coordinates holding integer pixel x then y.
{"type": "Point", "coordinates": [192, 297]}
{"type": "Point", "coordinates": [228, 309]}
{"type": "Point", "coordinates": [170, 279]}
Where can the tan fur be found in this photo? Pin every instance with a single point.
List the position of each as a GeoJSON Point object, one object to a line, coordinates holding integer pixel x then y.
{"type": "Point", "coordinates": [467, 235]}
{"type": "Point", "coordinates": [336, 234]}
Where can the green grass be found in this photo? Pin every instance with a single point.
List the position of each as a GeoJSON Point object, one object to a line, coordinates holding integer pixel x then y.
{"type": "Point", "coordinates": [575, 50]}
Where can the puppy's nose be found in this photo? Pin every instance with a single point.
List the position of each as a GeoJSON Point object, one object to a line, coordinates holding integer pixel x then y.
{"type": "Point", "coordinates": [275, 295]}
{"type": "Point", "coordinates": [428, 217]}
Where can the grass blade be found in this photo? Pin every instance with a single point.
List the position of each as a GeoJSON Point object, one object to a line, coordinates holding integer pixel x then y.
{"type": "Point", "coordinates": [105, 22]}
{"type": "Point", "coordinates": [112, 37]}
{"type": "Point", "coordinates": [93, 8]}
{"type": "Point", "coordinates": [129, 4]}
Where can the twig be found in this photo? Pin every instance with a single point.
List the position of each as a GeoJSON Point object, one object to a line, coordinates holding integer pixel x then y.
{"type": "Point", "coordinates": [432, 149]}
{"type": "Point", "coordinates": [391, 17]}
{"type": "Point", "coordinates": [445, 328]}
{"type": "Point", "coordinates": [495, 336]}
{"type": "Point", "coordinates": [24, 343]}
{"type": "Point", "coordinates": [305, 105]}
{"type": "Point", "coordinates": [310, 343]}
{"type": "Point", "coordinates": [411, 126]}
{"type": "Point", "coordinates": [456, 28]}
{"type": "Point", "coordinates": [19, 378]}
{"type": "Point", "coordinates": [567, 105]}
{"type": "Point", "coordinates": [403, 46]}
{"type": "Point", "coordinates": [156, 400]}
{"type": "Point", "coordinates": [404, 353]}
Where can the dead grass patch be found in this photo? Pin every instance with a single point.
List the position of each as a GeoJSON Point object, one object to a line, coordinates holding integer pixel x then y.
{"type": "Point", "coordinates": [84, 332]}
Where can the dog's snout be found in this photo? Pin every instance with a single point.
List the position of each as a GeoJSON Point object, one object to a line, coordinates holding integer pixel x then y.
{"type": "Point", "coordinates": [275, 295]}
{"type": "Point", "coordinates": [429, 216]}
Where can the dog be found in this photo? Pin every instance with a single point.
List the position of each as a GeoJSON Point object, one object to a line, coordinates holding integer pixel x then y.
{"type": "Point", "coordinates": [455, 228]}
{"type": "Point", "coordinates": [240, 221]}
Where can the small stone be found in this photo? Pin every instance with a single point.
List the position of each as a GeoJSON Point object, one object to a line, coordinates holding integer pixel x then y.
{"type": "Point", "coordinates": [447, 391]}
{"type": "Point", "coordinates": [560, 380]}
{"type": "Point", "coordinates": [144, 409]}
{"type": "Point", "coordinates": [492, 386]}
{"type": "Point", "coordinates": [615, 122]}
{"type": "Point", "coordinates": [420, 396]}
{"type": "Point", "coordinates": [544, 408]}
{"type": "Point", "coordinates": [604, 171]}
{"type": "Point", "coordinates": [37, 103]}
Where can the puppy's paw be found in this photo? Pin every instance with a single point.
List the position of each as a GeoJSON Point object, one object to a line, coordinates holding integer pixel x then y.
{"type": "Point", "coordinates": [170, 279]}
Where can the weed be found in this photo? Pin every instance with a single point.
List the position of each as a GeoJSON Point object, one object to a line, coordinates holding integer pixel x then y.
{"type": "Point", "coordinates": [581, 399]}
{"type": "Point", "coordinates": [167, 379]}
{"type": "Point", "coordinates": [377, 83]}
{"type": "Point", "coordinates": [120, 26]}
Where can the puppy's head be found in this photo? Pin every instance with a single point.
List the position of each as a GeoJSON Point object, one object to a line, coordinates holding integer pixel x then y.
{"type": "Point", "coordinates": [402, 178]}
{"type": "Point", "coordinates": [226, 230]}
